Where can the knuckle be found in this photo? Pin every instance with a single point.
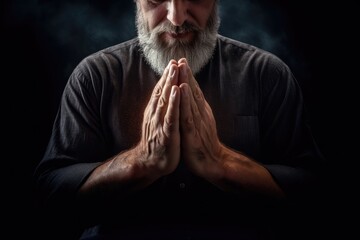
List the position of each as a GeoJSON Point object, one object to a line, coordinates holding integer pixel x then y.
{"type": "Point", "coordinates": [169, 125]}
{"type": "Point", "coordinates": [197, 94]}
{"type": "Point", "coordinates": [157, 91]}
{"type": "Point", "coordinates": [196, 111]}
{"type": "Point", "coordinates": [188, 124]}
{"type": "Point", "coordinates": [162, 102]}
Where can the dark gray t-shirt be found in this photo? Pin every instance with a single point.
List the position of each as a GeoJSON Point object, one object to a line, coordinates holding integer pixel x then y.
{"type": "Point", "coordinates": [255, 98]}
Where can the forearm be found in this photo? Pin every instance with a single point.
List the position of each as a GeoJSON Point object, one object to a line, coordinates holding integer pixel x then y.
{"type": "Point", "coordinates": [240, 174]}
{"type": "Point", "coordinates": [119, 176]}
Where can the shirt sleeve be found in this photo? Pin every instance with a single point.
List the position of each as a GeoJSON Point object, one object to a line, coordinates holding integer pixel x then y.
{"type": "Point", "coordinates": [77, 145]}
{"type": "Point", "coordinates": [289, 150]}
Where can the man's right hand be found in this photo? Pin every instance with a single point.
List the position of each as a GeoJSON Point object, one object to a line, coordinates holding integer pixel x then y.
{"type": "Point", "coordinates": [158, 152]}
{"type": "Point", "coordinates": [160, 137]}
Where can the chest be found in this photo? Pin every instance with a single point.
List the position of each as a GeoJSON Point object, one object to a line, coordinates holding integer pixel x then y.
{"type": "Point", "coordinates": [234, 104]}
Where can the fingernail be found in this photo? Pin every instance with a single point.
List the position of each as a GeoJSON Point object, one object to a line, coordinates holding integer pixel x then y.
{"type": "Point", "coordinates": [182, 60]}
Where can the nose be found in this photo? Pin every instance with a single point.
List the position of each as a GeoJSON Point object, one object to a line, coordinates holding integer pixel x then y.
{"type": "Point", "coordinates": [177, 12]}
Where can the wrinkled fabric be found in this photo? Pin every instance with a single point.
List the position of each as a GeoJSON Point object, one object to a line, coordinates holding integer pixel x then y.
{"type": "Point", "coordinates": [256, 101]}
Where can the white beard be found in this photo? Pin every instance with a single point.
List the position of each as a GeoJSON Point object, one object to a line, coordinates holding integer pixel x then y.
{"type": "Point", "coordinates": [198, 51]}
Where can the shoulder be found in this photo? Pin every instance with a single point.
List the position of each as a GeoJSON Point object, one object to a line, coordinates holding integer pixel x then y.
{"type": "Point", "coordinates": [104, 62]}
{"type": "Point", "coordinates": [244, 53]}
{"type": "Point", "coordinates": [112, 55]}
{"type": "Point", "coordinates": [255, 65]}
{"type": "Point", "coordinates": [118, 49]}
{"type": "Point", "coordinates": [102, 67]}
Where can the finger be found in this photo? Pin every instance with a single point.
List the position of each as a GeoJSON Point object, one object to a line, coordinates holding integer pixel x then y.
{"type": "Point", "coordinates": [195, 111]}
{"type": "Point", "coordinates": [170, 81]}
{"type": "Point", "coordinates": [200, 101]}
{"type": "Point", "coordinates": [171, 120]}
{"type": "Point", "coordinates": [210, 118]}
{"type": "Point", "coordinates": [164, 98]}
{"type": "Point", "coordinates": [164, 77]}
{"type": "Point", "coordinates": [157, 91]}
{"type": "Point", "coordinates": [183, 72]}
{"type": "Point", "coordinates": [186, 114]}
{"type": "Point", "coordinates": [186, 75]}
{"type": "Point", "coordinates": [182, 60]}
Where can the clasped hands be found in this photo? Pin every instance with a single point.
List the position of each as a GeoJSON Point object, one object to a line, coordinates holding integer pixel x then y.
{"type": "Point", "coordinates": [178, 123]}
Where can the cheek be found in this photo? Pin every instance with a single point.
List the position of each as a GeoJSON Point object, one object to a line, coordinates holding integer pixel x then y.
{"type": "Point", "coordinates": [204, 18]}
{"type": "Point", "coordinates": [201, 13]}
{"type": "Point", "coordinates": [155, 16]}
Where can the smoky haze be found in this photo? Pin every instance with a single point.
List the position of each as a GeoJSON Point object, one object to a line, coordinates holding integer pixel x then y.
{"type": "Point", "coordinates": [78, 28]}
{"type": "Point", "coordinates": [43, 40]}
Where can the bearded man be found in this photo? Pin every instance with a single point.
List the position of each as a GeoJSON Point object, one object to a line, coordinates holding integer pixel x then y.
{"type": "Point", "coordinates": [180, 133]}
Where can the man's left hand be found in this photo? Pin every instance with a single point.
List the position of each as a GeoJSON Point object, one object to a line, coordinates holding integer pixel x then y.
{"type": "Point", "coordinates": [201, 148]}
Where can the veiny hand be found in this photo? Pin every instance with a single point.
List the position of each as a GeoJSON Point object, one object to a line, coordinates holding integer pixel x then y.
{"type": "Point", "coordinates": [160, 141]}
{"type": "Point", "coordinates": [201, 148]}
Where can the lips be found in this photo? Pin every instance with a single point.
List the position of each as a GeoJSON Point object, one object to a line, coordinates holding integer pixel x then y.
{"type": "Point", "coordinates": [179, 35]}
{"type": "Point", "coordinates": [184, 36]}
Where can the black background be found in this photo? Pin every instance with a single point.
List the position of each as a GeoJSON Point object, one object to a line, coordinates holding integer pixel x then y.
{"type": "Point", "coordinates": [42, 41]}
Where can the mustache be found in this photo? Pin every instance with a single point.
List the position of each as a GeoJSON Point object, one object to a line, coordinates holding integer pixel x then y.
{"type": "Point", "coordinates": [184, 28]}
